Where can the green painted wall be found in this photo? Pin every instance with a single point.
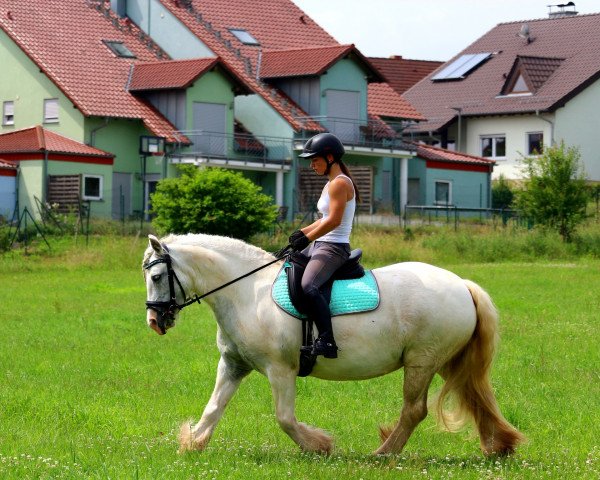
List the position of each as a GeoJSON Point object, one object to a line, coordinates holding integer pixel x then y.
{"type": "Point", "coordinates": [24, 84]}
{"type": "Point", "coordinates": [469, 189]}
{"type": "Point", "coordinates": [345, 75]}
{"type": "Point", "coordinates": [30, 185]}
{"type": "Point", "coordinates": [212, 87]}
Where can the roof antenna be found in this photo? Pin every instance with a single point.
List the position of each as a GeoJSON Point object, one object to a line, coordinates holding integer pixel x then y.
{"type": "Point", "coordinates": [524, 33]}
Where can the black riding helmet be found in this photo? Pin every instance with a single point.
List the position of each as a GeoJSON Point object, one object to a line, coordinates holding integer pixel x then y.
{"type": "Point", "coordinates": [323, 144]}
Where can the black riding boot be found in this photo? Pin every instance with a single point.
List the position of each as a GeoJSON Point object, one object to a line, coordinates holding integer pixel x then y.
{"type": "Point", "coordinates": [318, 312]}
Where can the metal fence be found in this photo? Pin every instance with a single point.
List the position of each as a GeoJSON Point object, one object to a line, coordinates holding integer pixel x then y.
{"type": "Point", "coordinates": [452, 215]}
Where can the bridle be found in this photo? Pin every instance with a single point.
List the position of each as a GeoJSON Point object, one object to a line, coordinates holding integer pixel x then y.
{"type": "Point", "coordinates": [169, 307]}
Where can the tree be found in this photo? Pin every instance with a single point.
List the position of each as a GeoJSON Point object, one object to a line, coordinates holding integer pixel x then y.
{"type": "Point", "coordinates": [554, 191]}
{"type": "Point", "coordinates": [502, 194]}
{"type": "Point", "coordinates": [214, 201]}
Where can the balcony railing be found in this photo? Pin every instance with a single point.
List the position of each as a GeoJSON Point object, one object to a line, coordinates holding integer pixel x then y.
{"type": "Point", "coordinates": [371, 133]}
{"type": "Point", "coordinates": [235, 150]}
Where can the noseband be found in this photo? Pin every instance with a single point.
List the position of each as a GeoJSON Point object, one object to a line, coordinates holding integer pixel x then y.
{"type": "Point", "coordinates": [171, 306]}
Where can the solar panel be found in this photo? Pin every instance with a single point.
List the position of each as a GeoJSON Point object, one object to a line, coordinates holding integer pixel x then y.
{"type": "Point", "coordinates": [461, 66]}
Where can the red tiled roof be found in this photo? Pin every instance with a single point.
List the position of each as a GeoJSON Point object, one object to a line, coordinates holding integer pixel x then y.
{"type": "Point", "coordinates": [427, 152]}
{"type": "Point", "coordinates": [65, 40]}
{"type": "Point", "coordinates": [38, 139]}
{"type": "Point", "coordinates": [276, 24]}
{"type": "Point", "coordinates": [169, 74]}
{"type": "Point", "coordinates": [574, 39]}
{"type": "Point", "coordinates": [385, 102]}
{"type": "Point", "coordinates": [7, 166]}
{"type": "Point", "coordinates": [402, 73]}
{"type": "Point", "coordinates": [309, 61]}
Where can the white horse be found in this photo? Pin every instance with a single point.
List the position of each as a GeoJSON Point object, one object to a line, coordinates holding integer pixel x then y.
{"type": "Point", "coordinates": [429, 321]}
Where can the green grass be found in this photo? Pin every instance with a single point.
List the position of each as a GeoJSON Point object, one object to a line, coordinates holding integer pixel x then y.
{"type": "Point", "coordinates": [88, 391]}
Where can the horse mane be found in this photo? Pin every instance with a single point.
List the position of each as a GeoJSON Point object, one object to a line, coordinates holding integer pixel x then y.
{"type": "Point", "coordinates": [221, 244]}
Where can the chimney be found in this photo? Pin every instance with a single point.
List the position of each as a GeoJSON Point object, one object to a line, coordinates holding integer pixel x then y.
{"type": "Point", "coordinates": [562, 10]}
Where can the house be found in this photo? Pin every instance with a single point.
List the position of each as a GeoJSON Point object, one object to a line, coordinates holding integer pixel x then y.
{"type": "Point", "coordinates": [231, 84]}
{"type": "Point", "coordinates": [519, 87]}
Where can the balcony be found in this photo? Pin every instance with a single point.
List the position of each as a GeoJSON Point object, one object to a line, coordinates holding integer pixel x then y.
{"type": "Point", "coordinates": [373, 136]}
{"type": "Point", "coordinates": [238, 150]}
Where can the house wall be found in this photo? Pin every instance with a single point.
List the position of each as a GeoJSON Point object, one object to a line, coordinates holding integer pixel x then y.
{"type": "Point", "coordinates": [8, 191]}
{"type": "Point", "coordinates": [30, 184]}
{"type": "Point", "coordinates": [469, 189]}
{"type": "Point", "coordinates": [166, 30]}
{"type": "Point", "coordinates": [345, 75]}
{"type": "Point", "coordinates": [577, 125]}
{"type": "Point", "coordinates": [515, 129]}
{"type": "Point", "coordinates": [24, 84]}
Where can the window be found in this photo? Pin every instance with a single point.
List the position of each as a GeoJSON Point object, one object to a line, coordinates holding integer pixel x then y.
{"type": "Point", "coordinates": [443, 192]}
{"type": "Point", "coordinates": [92, 187]}
{"type": "Point", "coordinates": [493, 146]}
{"type": "Point", "coordinates": [460, 67]}
{"type": "Point", "coordinates": [244, 37]}
{"type": "Point", "coordinates": [119, 49]}
{"type": "Point", "coordinates": [520, 85]}
{"type": "Point", "coordinates": [51, 110]}
{"type": "Point", "coordinates": [535, 143]}
{"type": "Point", "coordinates": [8, 113]}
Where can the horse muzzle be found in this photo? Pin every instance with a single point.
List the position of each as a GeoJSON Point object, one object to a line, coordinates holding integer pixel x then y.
{"type": "Point", "coordinates": [160, 320]}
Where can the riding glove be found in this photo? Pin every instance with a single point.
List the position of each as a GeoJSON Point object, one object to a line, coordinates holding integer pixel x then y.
{"type": "Point", "coordinates": [298, 240]}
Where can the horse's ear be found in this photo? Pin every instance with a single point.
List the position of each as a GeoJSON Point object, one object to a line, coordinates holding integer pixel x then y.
{"type": "Point", "coordinates": [155, 244]}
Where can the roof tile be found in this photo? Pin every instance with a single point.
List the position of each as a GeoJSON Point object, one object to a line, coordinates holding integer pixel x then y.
{"type": "Point", "coordinates": [384, 101]}
{"type": "Point", "coordinates": [574, 39]}
{"type": "Point", "coordinates": [38, 139]}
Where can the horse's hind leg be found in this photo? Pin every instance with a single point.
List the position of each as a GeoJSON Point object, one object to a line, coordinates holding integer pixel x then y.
{"type": "Point", "coordinates": [229, 377]}
{"type": "Point", "coordinates": [283, 386]}
{"type": "Point", "coordinates": [414, 409]}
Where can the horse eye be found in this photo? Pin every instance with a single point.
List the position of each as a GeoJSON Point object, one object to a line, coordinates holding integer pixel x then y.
{"type": "Point", "coordinates": [156, 278]}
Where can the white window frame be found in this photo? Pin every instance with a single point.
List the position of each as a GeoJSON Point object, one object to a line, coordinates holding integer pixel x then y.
{"type": "Point", "coordinates": [51, 110]}
{"type": "Point", "coordinates": [8, 113]}
{"type": "Point", "coordinates": [528, 143]}
{"type": "Point", "coordinates": [100, 178]}
{"type": "Point", "coordinates": [494, 139]}
{"type": "Point", "coordinates": [435, 200]}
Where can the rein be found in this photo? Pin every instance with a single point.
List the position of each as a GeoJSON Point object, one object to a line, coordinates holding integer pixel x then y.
{"type": "Point", "coordinates": [169, 307]}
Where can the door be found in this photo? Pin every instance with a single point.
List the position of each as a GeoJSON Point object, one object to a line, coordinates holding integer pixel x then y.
{"type": "Point", "coordinates": [210, 127]}
{"type": "Point", "coordinates": [343, 113]}
{"type": "Point", "coordinates": [414, 191]}
{"type": "Point", "coordinates": [121, 195]}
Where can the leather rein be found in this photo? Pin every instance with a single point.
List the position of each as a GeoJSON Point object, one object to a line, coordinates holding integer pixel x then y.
{"type": "Point", "coordinates": [170, 307]}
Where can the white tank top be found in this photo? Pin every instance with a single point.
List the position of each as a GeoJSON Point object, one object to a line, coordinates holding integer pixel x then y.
{"type": "Point", "coordinates": [340, 234]}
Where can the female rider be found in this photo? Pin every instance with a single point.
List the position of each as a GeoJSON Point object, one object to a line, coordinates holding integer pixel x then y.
{"type": "Point", "coordinates": [331, 233]}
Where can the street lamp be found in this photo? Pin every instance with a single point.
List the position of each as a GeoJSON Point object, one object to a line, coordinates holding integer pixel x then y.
{"type": "Point", "coordinates": [149, 145]}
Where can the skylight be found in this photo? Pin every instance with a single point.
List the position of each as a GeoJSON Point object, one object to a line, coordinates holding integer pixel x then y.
{"type": "Point", "coordinates": [119, 49]}
{"type": "Point", "coordinates": [460, 67]}
{"type": "Point", "coordinates": [244, 36]}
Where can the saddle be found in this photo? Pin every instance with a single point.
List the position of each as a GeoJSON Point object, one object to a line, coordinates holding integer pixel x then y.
{"type": "Point", "coordinates": [353, 290]}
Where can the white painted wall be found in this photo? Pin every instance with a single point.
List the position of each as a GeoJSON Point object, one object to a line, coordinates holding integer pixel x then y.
{"type": "Point", "coordinates": [515, 129]}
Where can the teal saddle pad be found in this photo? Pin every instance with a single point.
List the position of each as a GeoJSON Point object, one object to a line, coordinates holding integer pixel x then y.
{"type": "Point", "coordinates": [347, 296]}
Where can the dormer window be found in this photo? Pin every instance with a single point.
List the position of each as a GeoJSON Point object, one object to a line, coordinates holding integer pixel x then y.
{"type": "Point", "coordinates": [119, 49]}
{"type": "Point", "coordinates": [528, 74]}
{"type": "Point", "coordinates": [244, 36]}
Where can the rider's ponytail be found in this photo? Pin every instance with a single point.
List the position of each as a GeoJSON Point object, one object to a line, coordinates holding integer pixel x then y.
{"type": "Point", "coordinates": [346, 172]}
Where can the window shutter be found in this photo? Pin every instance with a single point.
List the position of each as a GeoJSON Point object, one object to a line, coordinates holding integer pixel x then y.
{"type": "Point", "coordinates": [9, 108]}
{"type": "Point", "coordinates": [51, 110]}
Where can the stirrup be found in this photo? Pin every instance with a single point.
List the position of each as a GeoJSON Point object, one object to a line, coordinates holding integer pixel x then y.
{"type": "Point", "coordinates": [325, 348]}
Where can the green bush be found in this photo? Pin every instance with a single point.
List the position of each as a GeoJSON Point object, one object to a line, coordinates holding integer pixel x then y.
{"type": "Point", "coordinates": [213, 201]}
{"type": "Point", "coordinates": [554, 193]}
{"type": "Point", "coordinates": [502, 194]}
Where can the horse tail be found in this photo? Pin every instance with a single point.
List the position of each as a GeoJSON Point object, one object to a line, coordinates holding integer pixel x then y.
{"type": "Point", "coordinates": [467, 377]}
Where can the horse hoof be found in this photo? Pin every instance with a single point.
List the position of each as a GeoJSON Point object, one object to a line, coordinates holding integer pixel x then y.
{"type": "Point", "coordinates": [187, 442]}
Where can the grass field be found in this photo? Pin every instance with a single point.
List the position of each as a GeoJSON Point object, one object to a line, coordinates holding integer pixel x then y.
{"type": "Point", "coordinates": [88, 391]}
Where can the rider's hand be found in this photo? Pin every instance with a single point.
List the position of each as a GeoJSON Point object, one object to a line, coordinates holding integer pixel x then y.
{"type": "Point", "coordinates": [298, 241]}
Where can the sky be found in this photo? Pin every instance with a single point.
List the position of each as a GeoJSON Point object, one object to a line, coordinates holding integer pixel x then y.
{"type": "Point", "coordinates": [422, 29]}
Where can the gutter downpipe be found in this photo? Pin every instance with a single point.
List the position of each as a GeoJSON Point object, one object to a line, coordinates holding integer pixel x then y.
{"type": "Point", "coordinates": [537, 114]}
{"type": "Point", "coordinates": [94, 130]}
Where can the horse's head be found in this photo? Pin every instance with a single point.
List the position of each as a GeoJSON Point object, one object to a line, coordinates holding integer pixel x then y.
{"type": "Point", "coordinates": [162, 286]}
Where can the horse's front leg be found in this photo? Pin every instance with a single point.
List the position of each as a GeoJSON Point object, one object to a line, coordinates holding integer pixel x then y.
{"type": "Point", "coordinates": [229, 377]}
{"type": "Point", "coordinates": [283, 386]}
